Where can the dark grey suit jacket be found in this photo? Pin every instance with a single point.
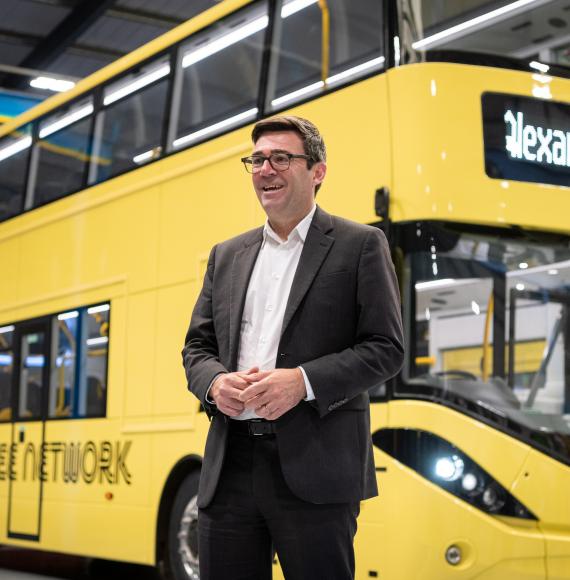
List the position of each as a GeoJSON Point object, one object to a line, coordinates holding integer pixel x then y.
{"type": "Point", "coordinates": [342, 324]}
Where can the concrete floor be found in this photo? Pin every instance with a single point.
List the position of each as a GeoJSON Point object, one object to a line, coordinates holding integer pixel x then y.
{"type": "Point", "coordinates": [19, 564]}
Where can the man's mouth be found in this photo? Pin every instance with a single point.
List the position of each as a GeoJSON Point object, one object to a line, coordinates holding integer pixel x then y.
{"type": "Point", "coordinates": [272, 187]}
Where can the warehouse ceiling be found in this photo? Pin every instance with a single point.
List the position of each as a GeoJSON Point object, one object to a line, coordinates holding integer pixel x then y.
{"type": "Point", "coordinates": [74, 38]}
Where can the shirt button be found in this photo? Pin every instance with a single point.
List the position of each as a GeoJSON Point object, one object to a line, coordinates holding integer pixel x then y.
{"type": "Point", "coordinates": [276, 276]}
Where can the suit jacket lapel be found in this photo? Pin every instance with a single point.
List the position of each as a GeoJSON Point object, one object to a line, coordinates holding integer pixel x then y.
{"type": "Point", "coordinates": [316, 247]}
{"type": "Point", "coordinates": [242, 267]}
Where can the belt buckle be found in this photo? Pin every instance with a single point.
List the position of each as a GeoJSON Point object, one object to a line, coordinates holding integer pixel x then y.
{"type": "Point", "coordinates": [251, 427]}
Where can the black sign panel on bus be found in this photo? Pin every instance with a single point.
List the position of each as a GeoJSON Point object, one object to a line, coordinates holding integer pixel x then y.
{"type": "Point", "coordinates": [526, 139]}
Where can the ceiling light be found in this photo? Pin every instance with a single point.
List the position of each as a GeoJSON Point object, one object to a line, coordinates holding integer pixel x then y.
{"type": "Point", "coordinates": [543, 68]}
{"type": "Point", "coordinates": [96, 341]}
{"type": "Point", "coordinates": [5, 329]}
{"type": "Point", "coordinates": [137, 84]}
{"type": "Point", "coordinates": [523, 265]}
{"type": "Point", "coordinates": [15, 148]}
{"type": "Point", "coordinates": [355, 70]}
{"type": "Point", "coordinates": [456, 30]}
{"type": "Point", "coordinates": [475, 307]}
{"type": "Point", "coordinates": [66, 120]}
{"type": "Point", "coordinates": [434, 283]}
{"type": "Point", "coordinates": [100, 308]}
{"type": "Point", "coordinates": [143, 157]}
{"type": "Point", "coordinates": [298, 93]}
{"type": "Point", "coordinates": [294, 6]}
{"type": "Point", "coordinates": [224, 41]}
{"type": "Point", "coordinates": [519, 287]}
{"type": "Point", "coordinates": [68, 315]}
{"type": "Point", "coordinates": [52, 84]}
{"type": "Point", "coordinates": [249, 114]}
{"type": "Point", "coordinates": [552, 272]}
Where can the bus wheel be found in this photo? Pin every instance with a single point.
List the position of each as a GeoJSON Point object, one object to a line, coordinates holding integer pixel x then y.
{"type": "Point", "coordinates": [182, 561]}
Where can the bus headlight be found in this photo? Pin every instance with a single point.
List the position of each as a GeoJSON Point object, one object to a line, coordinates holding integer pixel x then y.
{"type": "Point", "coordinates": [448, 467]}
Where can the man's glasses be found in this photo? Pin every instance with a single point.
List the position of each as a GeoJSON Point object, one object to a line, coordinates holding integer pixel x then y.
{"type": "Point", "coordinates": [279, 161]}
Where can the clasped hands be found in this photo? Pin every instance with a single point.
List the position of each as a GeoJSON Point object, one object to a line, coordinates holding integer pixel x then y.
{"type": "Point", "coordinates": [269, 393]}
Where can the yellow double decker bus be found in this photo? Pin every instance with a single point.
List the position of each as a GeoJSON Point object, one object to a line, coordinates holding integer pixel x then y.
{"type": "Point", "coordinates": [448, 125]}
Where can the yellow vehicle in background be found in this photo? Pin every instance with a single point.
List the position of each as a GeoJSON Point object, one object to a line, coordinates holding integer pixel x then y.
{"type": "Point", "coordinates": [448, 125]}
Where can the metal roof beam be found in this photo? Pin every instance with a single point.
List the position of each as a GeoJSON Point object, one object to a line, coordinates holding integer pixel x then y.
{"type": "Point", "coordinates": [66, 32]}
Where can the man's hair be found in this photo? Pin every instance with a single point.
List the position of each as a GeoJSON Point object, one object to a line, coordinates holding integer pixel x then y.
{"type": "Point", "coordinates": [313, 143]}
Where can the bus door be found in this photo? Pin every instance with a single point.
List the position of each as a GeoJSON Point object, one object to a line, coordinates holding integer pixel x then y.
{"type": "Point", "coordinates": [26, 459]}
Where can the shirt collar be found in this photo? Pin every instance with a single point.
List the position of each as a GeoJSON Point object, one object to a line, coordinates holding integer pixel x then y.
{"type": "Point", "coordinates": [301, 229]}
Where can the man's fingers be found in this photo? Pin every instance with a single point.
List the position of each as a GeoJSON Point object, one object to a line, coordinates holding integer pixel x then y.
{"type": "Point", "coordinates": [252, 391]}
{"type": "Point", "coordinates": [257, 376]}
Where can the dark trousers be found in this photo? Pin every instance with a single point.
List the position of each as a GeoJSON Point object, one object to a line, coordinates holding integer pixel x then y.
{"type": "Point", "coordinates": [254, 512]}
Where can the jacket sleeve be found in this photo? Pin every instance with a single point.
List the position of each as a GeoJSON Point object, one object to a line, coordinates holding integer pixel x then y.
{"type": "Point", "coordinates": [200, 352]}
{"type": "Point", "coordinates": [378, 350]}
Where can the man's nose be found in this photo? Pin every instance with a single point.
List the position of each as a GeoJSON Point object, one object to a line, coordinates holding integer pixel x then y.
{"type": "Point", "coordinates": [267, 168]}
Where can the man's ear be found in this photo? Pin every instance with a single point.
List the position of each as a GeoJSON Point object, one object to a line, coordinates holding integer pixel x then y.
{"type": "Point", "coordinates": [320, 172]}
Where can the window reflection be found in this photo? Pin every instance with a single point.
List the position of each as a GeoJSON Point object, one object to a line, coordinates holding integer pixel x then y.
{"type": "Point", "coordinates": [490, 321]}
{"type": "Point", "coordinates": [130, 126]}
{"type": "Point", "coordinates": [219, 81]}
{"type": "Point", "coordinates": [529, 31]}
{"type": "Point", "coordinates": [6, 371]}
{"type": "Point", "coordinates": [14, 155]}
{"type": "Point", "coordinates": [31, 375]}
{"type": "Point", "coordinates": [80, 345]}
{"type": "Point", "coordinates": [63, 153]}
{"type": "Point", "coordinates": [63, 365]}
{"type": "Point", "coordinates": [322, 44]}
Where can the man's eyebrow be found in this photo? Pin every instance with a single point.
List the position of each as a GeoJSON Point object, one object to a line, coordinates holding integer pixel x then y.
{"type": "Point", "coordinates": [272, 151]}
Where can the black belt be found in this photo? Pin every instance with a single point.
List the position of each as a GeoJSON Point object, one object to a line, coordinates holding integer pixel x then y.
{"type": "Point", "coordinates": [253, 427]}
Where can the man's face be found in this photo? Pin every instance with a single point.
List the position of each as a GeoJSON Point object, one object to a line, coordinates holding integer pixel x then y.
{"type": "Point", "coordinates": [285, 195]}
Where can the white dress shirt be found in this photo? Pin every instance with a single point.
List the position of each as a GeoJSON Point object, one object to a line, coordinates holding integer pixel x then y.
{"type": "Point", "coordinates": [266, 299]}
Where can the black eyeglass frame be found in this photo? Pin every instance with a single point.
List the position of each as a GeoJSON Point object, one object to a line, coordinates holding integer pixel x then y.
{"type": "Point", "coordinates": [248, 161]}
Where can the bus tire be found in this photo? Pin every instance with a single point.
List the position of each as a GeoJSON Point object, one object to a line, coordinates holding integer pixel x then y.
{"type": "Point", "coordinates": [182, 545]}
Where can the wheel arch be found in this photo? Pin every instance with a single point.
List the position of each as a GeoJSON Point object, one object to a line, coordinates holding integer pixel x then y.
{"type": "Point", "coordinates": [183, 467]}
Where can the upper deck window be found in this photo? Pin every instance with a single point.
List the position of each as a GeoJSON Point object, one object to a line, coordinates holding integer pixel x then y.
{"type": "Point", "coordinates": [14, 155]}
{"type": "Point", "coordinates": [61, 155]}
{"type": "Point", "coordinates": [220, 70]}
{"type": "Point", "coordinates": [321, 45]}
{"type": "Point", "coordinates": [533, 30]}
{"type": "Point", "coordinates": [131, 123]}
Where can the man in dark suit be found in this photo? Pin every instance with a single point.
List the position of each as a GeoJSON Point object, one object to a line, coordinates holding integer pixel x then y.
{"type": "Point", "coordinates": [295, 322]}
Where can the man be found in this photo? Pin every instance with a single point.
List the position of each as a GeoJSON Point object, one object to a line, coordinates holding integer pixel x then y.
{"type": "Point", "coordinates": [295, 322]}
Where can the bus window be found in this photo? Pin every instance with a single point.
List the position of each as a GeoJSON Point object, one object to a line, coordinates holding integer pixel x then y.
{"type": "Point", "coordinates": [130, 125]}
{"type": "Point", "coordinates": [525, 30]}
{"type": "Point", "coordinates": [62, 153]}
{"type": "Point", "coordinates": [79, 342]}
{"type": "Point", "coordinates": [63, 364]}
{"type": "Point", "coordinates": [93, 392]}
{"type": "Point", "coordinates": [218, 77]}
{"type": "Point", "coordinates": [489, 318]}
{"type": "Point", "coordinates": [32, 363]}
{"type": "Point", "coordinates": [323, 44]}
{"type": "Point", "coordinates": [14, 154]}
{"type": "Point", "coordinates": [6, 371]}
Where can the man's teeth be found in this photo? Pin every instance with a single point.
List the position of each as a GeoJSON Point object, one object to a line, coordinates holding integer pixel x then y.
{"type": "Point", "coordinates": [272, 187]}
